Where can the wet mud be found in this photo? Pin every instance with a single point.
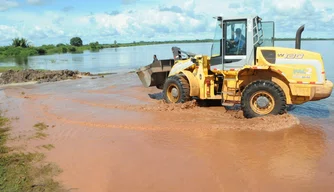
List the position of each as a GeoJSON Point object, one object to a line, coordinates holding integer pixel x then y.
{"type": "Point", "coordinates": [112, 134]}
{"type": "Point", "coordinates": [40, 76]}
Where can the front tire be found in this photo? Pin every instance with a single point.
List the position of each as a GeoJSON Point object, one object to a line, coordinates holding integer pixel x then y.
{"type": "Point", "coordinates": [176, 90]}
{"type": "Point", "coordinates": [262, 98]}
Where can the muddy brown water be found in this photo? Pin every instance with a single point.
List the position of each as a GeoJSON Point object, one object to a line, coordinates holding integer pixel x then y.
{"type": "Point", "coordinates": [110, 135]}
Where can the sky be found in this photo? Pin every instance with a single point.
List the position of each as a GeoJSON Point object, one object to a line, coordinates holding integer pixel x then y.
{"type": "Point", "coordinates": [57, 21]}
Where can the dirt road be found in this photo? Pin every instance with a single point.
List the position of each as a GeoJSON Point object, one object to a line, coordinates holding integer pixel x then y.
{"type": "Point", "coordinates": [112, 134]}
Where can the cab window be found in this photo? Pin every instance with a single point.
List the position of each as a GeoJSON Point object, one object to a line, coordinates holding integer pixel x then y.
{"type": "Point", "coordinates": [236, 38]}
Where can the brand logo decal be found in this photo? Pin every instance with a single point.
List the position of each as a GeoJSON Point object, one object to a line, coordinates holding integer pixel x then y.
{"type": "Point", "coordinates": [290, 55]}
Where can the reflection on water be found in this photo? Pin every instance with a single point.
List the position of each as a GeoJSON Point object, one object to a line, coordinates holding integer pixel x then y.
{"type": "Point", "coordinates": [78, 58]}
{"type": "Point", "coordinates": [16, 61]}
{"type": "Point", "coordinates": [21, 61]}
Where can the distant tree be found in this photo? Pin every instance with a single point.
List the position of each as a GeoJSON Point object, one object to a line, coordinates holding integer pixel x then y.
{"type": "Point", "coordinates": [76, 41]}
{"type": "Point", "coordinates": [41, 51]}
{"type": "Point", "coordinates": [115, 42]}
{"type": "Point", "coordinates": [94, 45]}
{"type": "Point", "coordinates": [17, 42]}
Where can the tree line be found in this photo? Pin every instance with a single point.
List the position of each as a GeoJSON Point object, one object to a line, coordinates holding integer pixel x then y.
{"type": "Point", "coordinates": [21, 47]}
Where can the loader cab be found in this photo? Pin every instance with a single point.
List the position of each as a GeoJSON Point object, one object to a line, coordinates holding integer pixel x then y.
{"type": "Point", "coordinates": [235, 40]}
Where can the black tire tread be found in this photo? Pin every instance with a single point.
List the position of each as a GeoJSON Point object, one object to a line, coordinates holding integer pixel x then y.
{"type": "Point", "coordinates": [267, 85]}
{"type": "Point", "coordinates": [181, 81]}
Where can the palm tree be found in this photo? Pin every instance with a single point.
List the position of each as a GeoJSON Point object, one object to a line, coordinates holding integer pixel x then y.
{"type": "Point", "coordinates": [17, 42]}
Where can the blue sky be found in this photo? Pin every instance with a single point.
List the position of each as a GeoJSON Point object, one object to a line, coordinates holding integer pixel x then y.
{"type": "Point", "coordinates": [56, 21]}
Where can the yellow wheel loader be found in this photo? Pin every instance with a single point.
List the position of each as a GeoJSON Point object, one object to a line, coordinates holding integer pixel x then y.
{"type": "Point", "coordinates": [244, 68]}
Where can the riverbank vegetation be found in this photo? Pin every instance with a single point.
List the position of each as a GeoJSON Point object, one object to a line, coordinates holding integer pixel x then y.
{"type": "Point", "coordinates": [24, 171]}
{"type": "Point", "coordinates": [21, 47]}
{"type": "Point", "coordinates": [5, 68]}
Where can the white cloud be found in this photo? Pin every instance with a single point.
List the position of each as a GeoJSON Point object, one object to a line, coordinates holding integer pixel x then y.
{"type": "Point", "coordinates": [8, 33]}
{"type": "Point", "coordinates": [7, 4]}
{"type": "Point", "coordinates": [45, 32]}
{"type": "Point", "coordinates": [169, 20]}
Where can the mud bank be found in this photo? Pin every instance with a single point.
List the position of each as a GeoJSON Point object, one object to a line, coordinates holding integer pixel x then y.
{"type": "Point", "coordinates": [29, 75]}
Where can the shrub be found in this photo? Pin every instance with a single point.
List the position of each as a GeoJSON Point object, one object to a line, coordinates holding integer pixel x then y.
{"type": "Point", "coordinates": [60, 45]}
{"type": "Point", "coordinates": [72, 49]}
{"type": "Point", "coordinates": [64, 50]}
{"type": "Point", "coordinates": [41, 51]}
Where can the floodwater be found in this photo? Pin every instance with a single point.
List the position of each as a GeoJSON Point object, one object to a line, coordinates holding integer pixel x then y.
{"type": "Point", "coordinates": [111, 135]}
{"type": "Point", "coordinates": [106, 60]}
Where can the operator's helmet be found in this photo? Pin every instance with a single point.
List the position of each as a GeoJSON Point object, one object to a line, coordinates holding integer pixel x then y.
{"type": "Point", "coordinates": [238, 31]}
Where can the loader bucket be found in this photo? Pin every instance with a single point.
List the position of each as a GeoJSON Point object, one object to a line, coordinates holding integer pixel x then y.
{"type": "Point", "coordinates": [155, 73]}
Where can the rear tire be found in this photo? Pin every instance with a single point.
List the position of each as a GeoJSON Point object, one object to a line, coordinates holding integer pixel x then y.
{"type": "Point", "coordinates": [261, 98]}
{"type": "Point", "coordinates": [176, 90]}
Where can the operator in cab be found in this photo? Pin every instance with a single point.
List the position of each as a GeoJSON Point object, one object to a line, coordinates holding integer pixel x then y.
{"type": "Point", "coordinates": [239, 41]}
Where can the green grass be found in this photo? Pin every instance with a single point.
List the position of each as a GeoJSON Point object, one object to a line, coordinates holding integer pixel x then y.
{"type": "Point", "coordinates": [48, 146]}
{"type": "Point", "coordinates": [15, 68]}
{"type": "Point", "coordinates": [40, 127]}
{"type": "Point", "coordinates": [20, 52]}
{"type": "Point", "coordinates": [25, 171]}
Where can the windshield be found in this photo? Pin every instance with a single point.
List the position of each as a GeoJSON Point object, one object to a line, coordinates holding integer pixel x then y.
{"type": "Point", "coordinates": [216, 46]}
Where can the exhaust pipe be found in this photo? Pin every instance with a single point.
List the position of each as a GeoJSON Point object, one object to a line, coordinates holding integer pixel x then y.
{"type": "Point", "coordinates": [299, 36]}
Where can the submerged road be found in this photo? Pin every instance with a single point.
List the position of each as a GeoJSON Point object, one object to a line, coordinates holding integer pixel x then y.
{"type": "Point", "coordinates": [110, 135]}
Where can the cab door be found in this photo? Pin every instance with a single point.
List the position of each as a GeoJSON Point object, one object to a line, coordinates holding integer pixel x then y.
{"type": "Point", "coordinates": [268, 34]}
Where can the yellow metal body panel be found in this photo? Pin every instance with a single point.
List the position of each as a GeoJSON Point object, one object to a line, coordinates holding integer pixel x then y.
{"type": "Point", "coordinates": [205, 87]}
{"type": "Point", "coordinates": [201, 70]}
{"type": "Point", "coordinates": [299, 73]}
{"type": "Point", "coordinates": [303, 70]}
{"type": "Point", "coordinates": [294, 64]}
{"type": "Point", "coordinates": [193, 83]}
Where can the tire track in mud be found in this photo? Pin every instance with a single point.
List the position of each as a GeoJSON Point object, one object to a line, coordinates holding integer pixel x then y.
{"type": "Point", "coordinates": [186, 116]}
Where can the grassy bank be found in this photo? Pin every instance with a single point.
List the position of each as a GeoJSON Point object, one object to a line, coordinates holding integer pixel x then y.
{"type": "Point", "coordinates": [15, 68]}
{"type": "Point", "coordinates": [23, 171]}
{"type": "Point", "coordinates": [11, 51]}
{"type": "Point", "coordinates": [3, 69]}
